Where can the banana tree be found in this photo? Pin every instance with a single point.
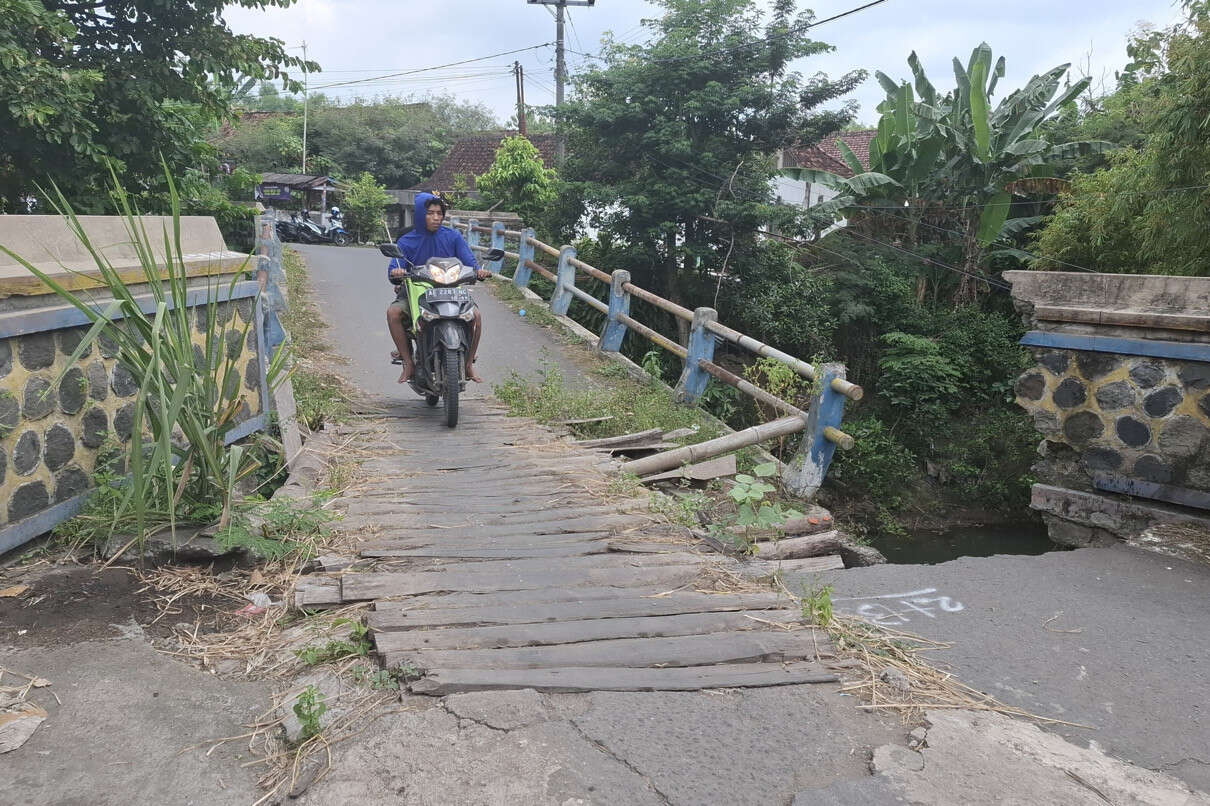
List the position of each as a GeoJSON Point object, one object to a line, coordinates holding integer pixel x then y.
{"type": "Point", "coordinates": [956, 153]}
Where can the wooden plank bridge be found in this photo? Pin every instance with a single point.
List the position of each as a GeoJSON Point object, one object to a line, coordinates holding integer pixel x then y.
{"type": "Point", "coordinates": [502, 556]}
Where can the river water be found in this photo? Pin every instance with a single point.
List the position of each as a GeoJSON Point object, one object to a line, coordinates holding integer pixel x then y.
{"type": "Point", "coordinates": [928, 548]}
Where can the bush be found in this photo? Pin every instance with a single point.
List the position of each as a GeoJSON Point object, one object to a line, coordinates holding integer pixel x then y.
{"type": "Point", "coordinates": [878, 468]}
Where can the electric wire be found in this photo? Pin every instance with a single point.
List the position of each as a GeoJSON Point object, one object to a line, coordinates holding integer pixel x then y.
{"type": "Point", "coordinates": [435, 67]}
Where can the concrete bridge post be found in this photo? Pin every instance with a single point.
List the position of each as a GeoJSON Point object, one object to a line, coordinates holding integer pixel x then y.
{"type": "Point", "coordinates": [561, 301]}
{"type": "Point", "coordinates": [619, 305]}
{"type": "Point", "coordinates": [804, 473]}
{"type": "Point", "coordinates": [692, 384]}
{"type": "Point", "coordinates": [526, 252]}
{"type": "Point", "coordinates": [472, 235]}
{"type": "Point", "coordinates": [496, 266]}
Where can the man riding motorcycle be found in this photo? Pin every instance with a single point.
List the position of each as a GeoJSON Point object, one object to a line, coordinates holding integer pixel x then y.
{"type": "Point", "coordinates": [428, 238]}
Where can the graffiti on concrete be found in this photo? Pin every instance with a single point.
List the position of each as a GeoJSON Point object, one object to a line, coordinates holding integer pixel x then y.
{"type": "Point", "coordinates": [898, 609]}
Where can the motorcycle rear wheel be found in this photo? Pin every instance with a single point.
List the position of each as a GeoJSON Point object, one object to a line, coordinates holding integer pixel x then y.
{"type": "Point", "coordinates": [453, 367]}
{"type": "Point", "coordinates": [431, 399]}
{"type": "Point", "coordinates": [340, 239]}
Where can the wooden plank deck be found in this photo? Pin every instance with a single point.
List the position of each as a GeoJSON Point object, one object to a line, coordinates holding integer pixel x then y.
{"type": "Point", "coordinates": [498, 559]}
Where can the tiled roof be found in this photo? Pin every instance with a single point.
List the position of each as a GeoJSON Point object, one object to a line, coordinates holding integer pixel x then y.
{"type": "Point", "coordinates": [474, 155]}
{"type": "Point", "coordinates": [825, 155]}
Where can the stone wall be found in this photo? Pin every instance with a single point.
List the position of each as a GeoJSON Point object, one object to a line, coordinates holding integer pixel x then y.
{"type": "Point", "coordinates": [1121, 394]}
{"type": "Point", "coordinates": [51, 434]}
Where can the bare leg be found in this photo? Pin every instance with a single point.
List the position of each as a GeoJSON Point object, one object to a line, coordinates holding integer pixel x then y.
{"type": "Point", "coordinates": [402, 345]}
{"type": "Point", "coordinates": [476, 332]}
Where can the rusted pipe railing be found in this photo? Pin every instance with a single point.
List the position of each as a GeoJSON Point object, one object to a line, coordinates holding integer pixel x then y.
{"type": "Point", "coordinates": [591, 271]}
{"type": "Point", "coordinates": [850, 390]}
{"type": "Point", "coordinates": [589, 299]}
{"type": "Point", "coordinates": [659, 462]}
{"type": "Point", "coordinates": [512, 233]}
{"type": "Point", "coordinates": [654, 336]}
{"type": "Point", "coordinates": [542, 270]}
{"type": "Point", "coordinates": [659, 302]}
{"type": "Point", "coordinates": [541, 247]}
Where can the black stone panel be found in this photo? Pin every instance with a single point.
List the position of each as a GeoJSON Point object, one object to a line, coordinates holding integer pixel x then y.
{"type": "Point", "coordinates": [3, 465]}
{"type": "Point", "coordinates": [235, 343]}
{"type": "Point", "coordinates": [1102, 459]}
{"type": "Point", "coordinates": [1161, 402]}
{"type": "Point", "coordinates": [252, 375]}
{"type": "Point", "coordinates": [39, 399]}
{"type": "Point", "coordinates": [98, 381]}
{"type": "Point", "coordinates": [1094, 365]}
{"type": "Point", "coordinates": [6, 357]}
{"type": "Point", "coordinates": [1114, 396]}
{"type": "Point", "coordinates": [1195, 375]}
{"type": "Point", "coordinates": [60, 446]}
{"type": "Point", "coordinates": [10, 414]}
{"type": "Point", "coordinates": [36, 351]}
{"type": "Point", "coordinates": [123, 422]}
{"type": "Point", "coordinates": [244, 307]}
{"type": "Point", "coordinates": [29, 499]}
{"type": "Point", "coordinates": [1204, 405]}
{"type": "Point", "coordinates": [1057, 361]}
{"type": "Point", "coordinates": [96, 428]}
{"type": "Point", "coordinates": [1082, 426]}
{"type": "Point", "coordinates": [69, 340]}
{"type": "Point", "coordinates": [1147, 375]}
{"type": "Point", "coordinates": [73, 391]}
{"type": "Point", "coordinates": [1071, 393]}
{"type": "Point", "coordinates": [70, 482]}
{"type": "Point", "coordinates": [1153, 469]}
{"type": "Point", "coordinates": [124, 383]}
{"type": "Point", "coordinates": [1031, 386]}
{"type": "Point", "coordinates": [107, 345]}
{"type": "Point", "coordinates": [27, 453]}
{"type": "Point", "coordinates": [1133, 432]}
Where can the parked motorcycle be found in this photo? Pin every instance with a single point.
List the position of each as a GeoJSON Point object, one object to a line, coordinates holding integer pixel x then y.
{"type": "Point", "coordinates": [441, 313]}
{"type": "Point", "coordinates": [333, 233]}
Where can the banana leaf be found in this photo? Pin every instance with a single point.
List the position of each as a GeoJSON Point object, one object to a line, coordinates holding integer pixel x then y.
{"type": "Point", "coordinates": [995, 214]}
{"type": "Point", "coordinates": [849, 157]}
{"type": "Point", "coordinates": [924, 87]}
{"type": "Point", "coordinates": [979, 110]}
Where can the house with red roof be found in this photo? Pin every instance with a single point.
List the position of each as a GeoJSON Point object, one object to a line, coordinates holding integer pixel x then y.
{"type": "Point", "coordinates": [822, 156]}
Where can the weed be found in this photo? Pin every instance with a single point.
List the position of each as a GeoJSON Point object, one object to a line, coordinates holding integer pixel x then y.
{"type": "Point", "coordinates": [310, 708]}
{"type": "Point", "coordinates": [320, 396]}
{"type": "Point", "coordinates": [817, 605]}
{"type": "Point", "coordinates": [357, 645]}
{"type": "Point", "coordinates": [680, 508]}
{"type": "Point", "coordinates": [276, 529]}
{"type": "Point", "coordinates": [379, 679]}
{"type": "Point", "coordinates": [625, 485]}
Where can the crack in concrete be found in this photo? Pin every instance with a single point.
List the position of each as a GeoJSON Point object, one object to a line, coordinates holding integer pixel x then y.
{"type": "Point", "coordinates": [459, 717]}
{"type": "Point", "coordinates": [1171, 764]}
{"type": "Point", "coordinates": [604, 749]}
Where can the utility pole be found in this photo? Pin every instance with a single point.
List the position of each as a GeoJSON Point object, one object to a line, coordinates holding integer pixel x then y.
{"type": "Point", "coordinates": [560, 60]}
{"type": "Point", "coordinates": [519, 72]}
{"type": "Point", "coordinates": [304, 154]}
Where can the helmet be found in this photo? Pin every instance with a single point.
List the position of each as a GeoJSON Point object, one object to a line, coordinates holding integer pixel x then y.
{"type": "Point", "coordinates": [335, 210]}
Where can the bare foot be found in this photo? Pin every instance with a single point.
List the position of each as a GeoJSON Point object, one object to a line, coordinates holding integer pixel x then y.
{"type": "Point", "coordinates": [471, 375]}
{"type": "Point", "coordinates": [406, 375]}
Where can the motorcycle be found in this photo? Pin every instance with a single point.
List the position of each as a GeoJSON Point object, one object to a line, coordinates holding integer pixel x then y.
{"type": "Point", "coordinates": [441, 313]}
{"type": "Point", "coordinates": [333, 233]}
{"type": "Point", "coordinates": [287, 230]}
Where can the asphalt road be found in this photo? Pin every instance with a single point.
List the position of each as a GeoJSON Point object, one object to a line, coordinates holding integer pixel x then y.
{"type": "Point", "coordinates": [352, 291]}
{"type": "Point", "coordinates": [1116, 639]}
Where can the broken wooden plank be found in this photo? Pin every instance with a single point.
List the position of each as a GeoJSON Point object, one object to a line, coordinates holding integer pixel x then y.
{"type": "Point", "coordinates": [644, 447]}
{"type": "Point", "coordinates": [680, 433]}
{"type": "Point", "coordinates": [452, 531]}
{"type": "Point", "coordinates": [566, 632]}
{"type": "Point", "coordinates": [448, 601]}
{"type": "Point", "coordinates": [650, 435]}
{"type": "Point", "coordinates": [702, 471]}
{"type": "Point", "coordinates": [360, 587]}
{"type": "Point", "coordinates": [439, 682]}
{"type": "Point", "coordinates": [751, 646]}
{"type": "Point", "coordinates": [624, 605]}
{"type": "Point", "coordinates": [829, 562]}
{"type": "Point", "coordinates": [317, 593]}
{"type": "Point", "coordinates": [576, 549]}
{"type": "Point", "coordinates": [793, 548]}
{"type": "Point", "coordinates": [384, 546]}
{"type": "Point", "coordinates": [584, 420]}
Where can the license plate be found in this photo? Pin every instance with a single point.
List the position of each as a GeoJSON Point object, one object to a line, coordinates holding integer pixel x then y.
{"type": "Point", "coordinates": [448, 294]}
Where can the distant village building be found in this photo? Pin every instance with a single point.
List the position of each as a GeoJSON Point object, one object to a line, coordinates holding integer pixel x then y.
{"type": "Point", "coordinates": [822, 156]}
{"type": "Point", "coordinates": [309, 192]}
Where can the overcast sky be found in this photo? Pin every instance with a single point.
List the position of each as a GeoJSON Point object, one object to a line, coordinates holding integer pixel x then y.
{"type": "Point", "coordinates": [355, 40]}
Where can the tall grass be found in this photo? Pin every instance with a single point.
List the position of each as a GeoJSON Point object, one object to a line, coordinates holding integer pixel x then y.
{"type": "Point", "coordinates": [188, 400]}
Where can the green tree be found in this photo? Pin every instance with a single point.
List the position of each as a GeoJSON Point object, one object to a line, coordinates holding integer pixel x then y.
{"type": "Point", "coordinates": [957, 160]}
{"type": "Point", "coordinates": [670, 141]}
{"type": "Point", "coordinates": [125, 81]}
{"type": "Point", "coordinates": [518, 181]}
{"type": "Point", "coordinates": [363, 204]}
{"type": "Point", "coordinates": [1149, 211]}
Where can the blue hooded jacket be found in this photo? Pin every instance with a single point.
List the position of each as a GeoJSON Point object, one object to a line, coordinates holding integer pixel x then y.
{"type": "Point", "coordinates": [419, 245]}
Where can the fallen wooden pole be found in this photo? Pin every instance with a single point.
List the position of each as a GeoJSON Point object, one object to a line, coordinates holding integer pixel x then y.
{"type": "Point", "coordinates": [714, 447]}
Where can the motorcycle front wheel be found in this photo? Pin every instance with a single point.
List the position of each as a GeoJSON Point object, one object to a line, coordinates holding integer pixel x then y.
{"type": "Point", "coordinates": [340, 239]}
{"type": "Point", "coordinates": [453, 367]}
{"type": "Point", "coordinates": [431, 399]}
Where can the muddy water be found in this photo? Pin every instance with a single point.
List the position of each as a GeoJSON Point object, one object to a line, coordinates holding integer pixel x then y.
{"type": "Point", "coordinates": [927, 548]}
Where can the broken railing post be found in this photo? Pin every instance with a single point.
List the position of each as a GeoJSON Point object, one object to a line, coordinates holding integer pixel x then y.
{"type": "Point", "coordinates": [619, 305]}
{"type": "Point", "coordinates": [692, 384]}
{"type": "Point", "coordinates": [565, 281]}
{"type": "Point", "coordinates": [805, 471]}
{"type": "Point", "coordinates": [526, 256]}
{"type": "Point", "coordinates": [494, 266]}
{"type": "Point", "coordinates": [472, 234]}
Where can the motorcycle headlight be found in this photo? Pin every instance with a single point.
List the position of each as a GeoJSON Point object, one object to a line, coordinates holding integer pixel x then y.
{"type": "Point", "coordinates": [467, 316]}
{"type": "Point", "coordinates": [427, 315]}
{"type": "Point", "coordinates": [444, 276]}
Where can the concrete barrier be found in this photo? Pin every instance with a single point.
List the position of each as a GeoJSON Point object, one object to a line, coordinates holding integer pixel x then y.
{"type": "Point", "coordinates": [52, 430]}
{"type": "Point", "coordinates": [1121, 393]}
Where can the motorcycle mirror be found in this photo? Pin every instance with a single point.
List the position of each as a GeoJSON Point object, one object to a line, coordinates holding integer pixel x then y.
{"type": "Point", "coordinates": [390, 250]}
{"type": "Point", "coordinates": [494, 254]}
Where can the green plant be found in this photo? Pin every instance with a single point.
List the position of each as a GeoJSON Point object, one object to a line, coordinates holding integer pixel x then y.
{"type": "Point", "coordinates": [310, 707]}
{"type": "Point", "coordinates": [749, 493]}
{"type": "Point", "coordinates": [817, 605]}
{"type": "Point", "coordinates": [364, 203]}
{"type": "Point", "coordinates": [276, 529]}
{"type": "Point", "coordinates": [186, 403]}
{"type": "Point", "coordinates": [653, 364]}
{"type": "Point", "coordinates": [356, 645]}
